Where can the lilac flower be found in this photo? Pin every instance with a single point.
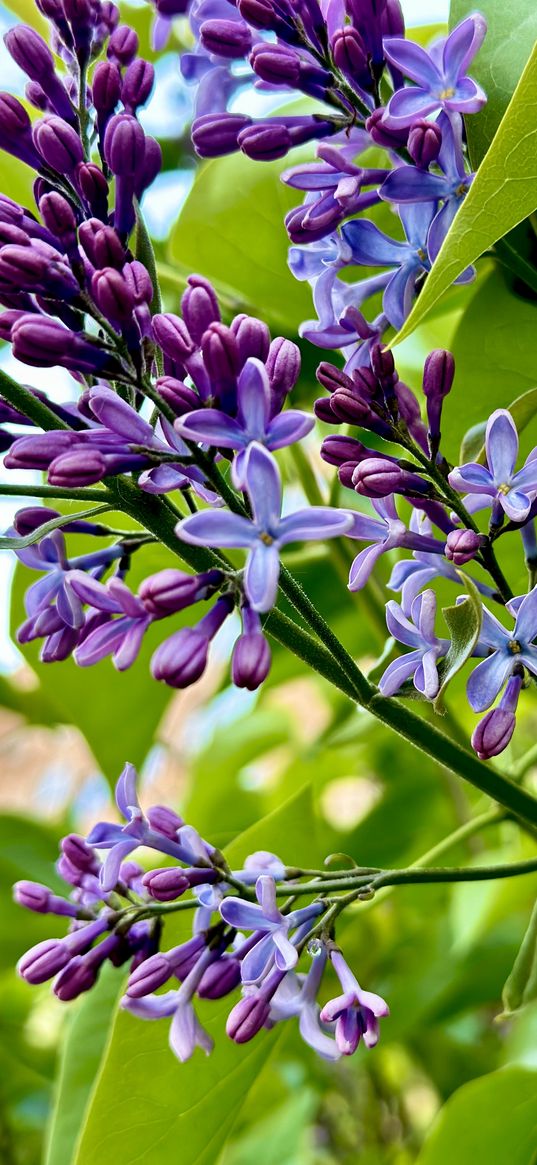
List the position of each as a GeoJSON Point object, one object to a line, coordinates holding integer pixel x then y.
{"type": "Point", "coordinates": [267, 532]}
{"type": "Point", "coordinates": [440, 75]}
{"type": "Point", "coordinates": [411, 575]}
{"type": "Point", "coordinates": [122, 637]}
{"type": "Point", "coordinates": [509, 651]}
{"type": "Point", "coordinates": [252, 423]}
{"type": "Point", "coordinates": [411, 184]}
{"type": "Point", "coordinates": [183, 844]}
{"type": "Point", "coordinates": [356, 1012]}
{"type": "Point", "coordinates": [497, 483]}
{"type": "Point", "coordinates": [274, 943]}
{"type": "Point", "coordinates": [186, 1032]}
{"type": "Point", "coordinates": [370, 247]}
{"type": "Point", "coordinates": [493, 733]}
{"type": "Point", "coordinates": [387, 532]}
{"type": "Point", "coordinates": [418, 632]}
{"type": "Point", "coordinates": [297, 996]}
{"type": "Point", "coordinates": [334, 188]}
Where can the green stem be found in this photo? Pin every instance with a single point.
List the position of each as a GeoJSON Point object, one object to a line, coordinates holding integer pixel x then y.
{"type": "Point", "coordinates": [475, 874]}
{"type": "Point", "coordinates": [73, 493]}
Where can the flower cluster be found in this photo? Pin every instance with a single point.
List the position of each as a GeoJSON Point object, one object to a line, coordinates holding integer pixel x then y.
{"type": "Point", "coordinates": [116, 913]}
{"type": "Point", "coordinates": [341, 54]}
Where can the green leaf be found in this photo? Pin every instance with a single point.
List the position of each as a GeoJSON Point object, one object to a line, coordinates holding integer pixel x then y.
{"type": "Point", "coordinates": [231, 230]}
{"type": "Point", "coordinates": [521, 986]}
{"type": "Point", "coordinates": [464, 624]}
{"type": "Point", "coordinates": [490, 1121]}
{"type": "Point", "coordinates": [82, 1051]}
{"type": "Point", "coordinates": [47, 528]}
{"type": "Point", "coordinates": [511, 34]}
{"type": "Point", "coordinates": [504, 192]}
{"type": "Point", "coordinates": [175, 1111]}
{"type": "Point", "coordinates": [522, 410]}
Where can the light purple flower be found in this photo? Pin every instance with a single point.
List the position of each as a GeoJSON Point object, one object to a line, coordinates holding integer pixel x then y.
{"type": "Point", "coordinates": [509, 651]}
{"type": "Point", "coordinates": [121, 840]}
{"type": "Point", "coordinates": [370, 247]}
{"type": "Point", "coordinates": [273, 926]}
{"type": "Point", "coordinates": [439, 75]}
{"type": "Point", "coordinates": [356, 1012]}
{"type": "Point", "coordinates": [411, 575]}
{"type": "Point", "coordinates": [418, 632]}
{"type": "Point", "coordinates": [252, 423]}
{"type": "Point", "coordinates": [186, 1032]}
{"type": "Point", "coordinates": [386, 532]}
{"type": "Point", "coordinates": [267, 532]}
{"type": "Point", "coordinates": [122, 637]}
{"type": "Point", "coordinates": [297, 997]}
{"type": "Point", "coordinates": [497, 483]}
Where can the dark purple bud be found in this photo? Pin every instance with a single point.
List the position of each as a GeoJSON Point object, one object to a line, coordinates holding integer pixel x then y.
{"type": "Point", "coordinates": [106, 88]}
{"type": "Point", "coordinates": [493, 733]}
{"type": "Point", "coordinates": [226, 38]}
{"type": "Point", "coordinates": [216, 134]}
{"type": "Point", "coordinates": [199, 306]}
{"type": "Point", "coordinates": [181, 660]}
{"type": "Point", "coordinates": [81, 855]}
{"type": "Point", "coordinates": [251, 659]}
{"type": "Point", "coordinates": [81, 17]}
{"type": "Point", "coordinates": [438, 375]}
{"type": "Point", "coordinates": [59, 144]}
{"type": "Point", "coordinates": [139, 281]}
{"type": "Point", "coordinates": [59, 216]}
{"type": "Point", "coordinates": [377, 477]}
{"type": "Point", "coordinates": [265, 142]}
{"type": "Point", "coordinates": [149, 976]}
{"type": "Point", "coordinates": [36, 95]}
{"type": "Point", "coordinates": [337, 450]}
{"type": "Point", "coordinates": [323, 410]}
{"type": "Point", "coordinates": [265, 15]}
{"type": "Point", "coordinates": [152, 166]}
{"type": "Point", "coordinates": [283, 369]}
{"type": "Point", "coordinates": [124, 145]}
{"type": "Point", "coordinates": [78, 976]}
{"type": "Point", "coordinates": [38, 451]}
{"type": "Point", "coordinates": [16, 131]}
{"type": "Point", "coordinates": [220, 351]}
{"type": "Point", "coordinates": [247, 1018]}
{"type": "Point", "coordinates": [172, 590]}
{"type": "Point", "coordinates": [30, 52]}
{"type": "Point", "coordinates": [276, 64]}
{"type": "Point", "coordinates": [43, 961]}
{"type": "Point", "coordinates": [101, 244]}
{"type": "Point", "coordinates": [43, 342]}
{"type": "Point", "coordinates": [253, 337]}
{"type": "Point", "coordinates": [350, 56]}
{"type": "Point", "coordinates": [383, 366]}
{"type": "Point", "coordinates": [113, 296]}
{"type": "Point", "coordinates": [137, 84]}
{"type": "Point", "coordinates": [34, 896]}
{"type": "Point", "coordinates": [172, 334]}
{"type": "Point", "coordinates": [123, 45]}
{"type": "Point", "coordinates": [462, 546]}
{"type": "Point", "coordinates": [179, 396]}
{"type": "Point", "coordinates": [167, 884]}
{"type": "Point", "coordinates": [94, 188]}
{"type": "Point", "coordinates": [349, 407]}
{"type": "Point", "coordinates": [424, 142]}
{"type": "Point", "coordinates": [59, 646]}
{"type": "Point", "coordinates": [38, 270]}
{"type": "Point", "coordinates": [382, 136]}
{"type": "Point", "coordinates": [164, 820]}
{"type": "Point", "coordinates": [79, 466]}
{"type": "Point", "coordinates": [333, 378]}
{"type": "Point", "coordinates": [220, 978]}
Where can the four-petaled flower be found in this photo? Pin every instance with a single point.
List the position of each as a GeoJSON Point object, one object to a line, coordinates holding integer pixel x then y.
{"type": "Point", "coordinates": [297, 996]}
{"type": "Point", "coordinates": [386, 532]}
{"type": "Point", "coordinates": [510, 651]}
{"type": "Point", "coordinates": [274, 943]}
{"type": "Point", "coordinates": [418, 632]}
{"type": "Point", "coordinates": [440, 75]}
{"type": "Point", "coordinates": [370, 247]}
{"type": "Point", "coordinates": [265, 534]}
{"type": "Point", "coordinates": [496, 482]}
{"type": "Point", "coordinates": [356, 1012]}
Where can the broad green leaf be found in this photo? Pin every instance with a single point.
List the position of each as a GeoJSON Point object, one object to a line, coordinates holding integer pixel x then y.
{"type": "Point", "coordinates": [278, 1139]}
{"type": "Point", "coordinates": [183, 1112]}
{"type": "Point", "coordinates": [464, 624]}
{"type": "Point", "coordinates": [83, 1047]}
{"type": "Point", "coordinates": [522, 410]}
{"type": "Point", "coordinates": [495, 356]}
{"type": "Point", "coordinates": [490, 1121]}
{"type": "Point", "coordinates": [28, 849]}
{"type": "Point", "coordinates": [503, 193]}
{"type": "Point", "coordinates": [511, 34]}
{"type": "Point", "coordinates": [521, 986]}
{"type": "Point", "coordinates": [231, 230]}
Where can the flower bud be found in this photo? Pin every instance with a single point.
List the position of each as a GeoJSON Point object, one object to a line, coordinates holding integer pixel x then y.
{"type": "Point", "coordinates": [124, 145]}
{"type": "Point", "coordinates": [59, 144]}
{"type": "Point", "coordinates": [79, 466]}
{"type": "Point", "coordinates": [283, 368]}
{"type": "Point", "coordinates": [94, 188]}
{"type": "Point", "coordinates": [251, 659]}
{"type": "Point", "coordinates": [493, 733]}
{"type": "Point", "coordinates": [16, 131]}
{"type": "Point", "coordinates": [253, 338]}
{"type": "Point", "coordinates": [34, 896]}
{"type": "Point", "coordinates": [169, 883]}
{"type": "Point", "coordinates": [172, 590]}
{"type": "Point", "coordinates": [43, 961]}
{"type": "Point", "coordinates": [438, 374]}
{"type": "Point", "coordinates": [172, 334]}
{"type": "Point", "coordinates": [165, 820]}
{"type": "Point", "coordinates": [181, 659]}
{"type": "Point", "coordinates": [389, 139]}
{"type": "Point", "coordinates": [265, 142]}
{"type": "Point", "coordinates": [81, 855]}
{"type": "Point", "coordinates": [199, 306]}
{"type": "Point", "coordinates": [424, 142]}
{"type": "Point", "coordinates": [220, 978]}
{"type": "Point", "coordinates": [338, 450]}
{"type": "Point", "coordinates": [112, 295]}
{"type": "Point", "coordinates": [220, 351]}
{"type": "Point", "coordinates": [123, 45]}
{"type": "Point", "coordinates": [216, 134]}
{"type": "Point", "coordinates": [137, 84]}
{"type": "Point", "coordinates": [59, 216]}
{"type": "Point", "coordinates": [377, 477]}
{"type": "Point", "coordinates": [78, 976]}
{"type": "Point", "coordinates": [101, 244]}
{"type": "Point", "coordinates": [276, 64]}
{"type": "Point", "coordinates": [149, 976]}
{"type": "Point", "coordinates": [462, 546]}
{"type": "Point", "coordinates": [247, 1018]}
{"type": "Point", "coordinates": [350, 56]}
{"type": "Point", "coordinates": [181, 398]}
{"type": "Point", "coordinates": [226, 38]}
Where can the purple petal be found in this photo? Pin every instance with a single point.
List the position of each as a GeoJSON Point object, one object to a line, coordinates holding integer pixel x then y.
{"type": "Point", "coordinates": [286, 953]}
{"type": "Point", "coordinates": [287, 428]}
{"type": "Point", "coordinates": [398, 672]}
{"type": "Point", "coordinates": [151, 1006]}
{"type": "Point", "coordinates": [254, 963]}
{"type": "Point", "coordinates": [254, 399]}
{"type": "Point", "coordinates": [399, 294]}
{"type": "Point", "coordinates": [374, 1003]}
{"type": "Point", "coordinates": [313, 1035]}
{"type": "Point", "coordinates": [69, 607]}
{"type": "Point", "coordinates": [243, 915]}
{"type": "Point", "coordinates": [212, 427]}
{"type": "Point", "coordinates": [317, 522]}
{"type": "Point", "coordinates": [127, 651]}
{"type": "Point", "coordinates": [517, 505]}
{"type": "Point", "coordinates": [112, 863]}
{"type": "Point", "coordinates": [363, 565]}
{"type": "Point", "coordinates": [400, 627]}
{"type": "Point", "coordinates": [261, 576]}
{"type": "Point", "coordinates": [526, 620]}
{"type": "Point", "coordinates": [469, 97]}
{"type": "Point", "coordinates": [117, 415]}
{"type": "Point", "coordinates": [162, 479]}
{"type": "Point", "coordinates": [264, 488]}
{"type": "Point", "coordinates": [105, 640]}
{"type": "Point", "coordinates": [265, 889]}
{"type": "Point", "coordinates": [186, 1033]}
{"type": "Point", "coordinates": [410, 184]}
{"type": "Point", "coordinates": [493, 633]}
{"type": "Point", "coordinates": [408, 104]}
{"type": "Point", "coordinates": [462, 45]}
{"type": "Point", "coordinates": [94, 593]}
{"type": "Point", "coordinates": [472, 478]}
{"type": "Point", "coordinates": [40, 594]}
{"type": "Point", "coordinates": [412, 60]}
{"type": "Point", "coordinates": [424, 615]}
{"type": "Point", "coordinates": [488, 678]}
{"type": "Point", "coordinates": [217, 529]}
{"type": "Point", "coordinates": [501, 443]}
{"type": "Point", "coordinates": [372, 247]}
{"type": "Point", "coordinates": [426, 677]}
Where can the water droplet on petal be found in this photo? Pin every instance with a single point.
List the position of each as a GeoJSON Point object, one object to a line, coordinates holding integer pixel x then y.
{"type": "Point", "coordinates": [314, 948]}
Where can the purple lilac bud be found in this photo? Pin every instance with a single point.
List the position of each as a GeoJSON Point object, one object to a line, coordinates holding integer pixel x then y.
{"type": "Point", "coordinates": [438, 374]}
{"type": "Point", "coordinates": [181, 398]}
{"type": "Point", "coordinates": [226, 38]}
{"type": "Point", "coordinates": [377, 478]}
{"type": "Point", "coordinates": [220, 978]}
{"type": "Point", "coordinates": [164, 820]}
{"type": "Point", "coordinates": [247, 1018]}
{"type": "Point", "coordinates": [172, 335]}
{"type": "Point", "coordinates": [220, 352]}
{"type": "Point", "coordinates": [152, 165]}
{"type": "Point", "coordinates": [149, 976]}
{"type": "Point", "coordinates": [106, 90]}
{"type": "Point", "coordinates": [78, 467]}
{"type": "Point", "coordinates": [216, 134]}
{"type": "Point", "coordinates": [199, 306]}
{"type": "Point", "coordinates": [388, 138]}
{"type": "Point", "coordinates": [33, 56]}
{"type": "Point", "coordinates": [38, 269]}
{"type": "Point", "coordinates": [16, 131]}
{"type": "Point", "coordinates": [123, 45]}
{"type": "Point", "coordinates": [167, 884]}
{"type": "Point", "coordinates": [494, 731]}
{"type": "Point", "coordinates": [251, 659]}
{"type": "Point", "coordinates": [253, 338]}
{"type": "Point", "coordinates": [43, 342]}
{"type": "Point", "coordinates": [43, 961]}
{"type": "Point", "coordinates": [424, 142]}
{"type": "Point", "coordinates": [338, 450]}
{"type": "Point", "coordinates": [113, 296]}
{"type": "Point", "coordinates": [94, 188]}
{"type": "Point", "coordinates": [267, 141]}
{"type": "Point", "coordinates": [34, 896]}
{"type": "Point", "coordinates": [78, 976]}
{"type": "Point", "coordinates": [172, 590]}
{"type": "Point", "coordinates": [59, 144]}
{"type": "Point", "coordinates": [80, 855]}
{"type": "Point", "coordinates": [283, 369]}
{"type": "Point", "coordinates": [350, 55]}
{"type": "Point", "coordinates": [137, 84]}
{"type": "Point", "coordinates": [101, 244]}
{"type": "Point", "coordinates": [462, 546]}
{"type": "Point", "coordinates": [59, 216]}
{"type": "Point", "coordinates": [182, 658]}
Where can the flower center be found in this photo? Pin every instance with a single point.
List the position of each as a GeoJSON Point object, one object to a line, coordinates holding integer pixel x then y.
{"type": "Point", "coordinates": [461, 190]}
{"type": "Point", "coordinates": [504, 488]}
{"type": "Point", "coordinates": [422, 255]}
{"type": "Point", "coordinates": [267, 539]}
{"type": "Point", "coordinates": [445, 94]}
{"type": "Point", "coordinates": [514, 647]}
